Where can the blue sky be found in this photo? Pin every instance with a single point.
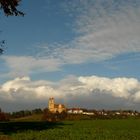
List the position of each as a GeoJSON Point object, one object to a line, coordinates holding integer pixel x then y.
{"type": "Point", "coordinates": [64, 40]}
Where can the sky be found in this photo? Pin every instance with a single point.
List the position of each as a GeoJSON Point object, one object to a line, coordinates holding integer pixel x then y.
{"type": "Point", "coordinates": [82, 53]}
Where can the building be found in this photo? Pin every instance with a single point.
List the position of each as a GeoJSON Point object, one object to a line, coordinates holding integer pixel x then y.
{"type": "Point", "coordinates": [75, 111]}
{"type": "Point", "coordinates": [55, 107]}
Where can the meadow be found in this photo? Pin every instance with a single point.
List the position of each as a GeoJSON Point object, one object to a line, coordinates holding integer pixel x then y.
{"type": "Point", "coordinates": [118, 129]}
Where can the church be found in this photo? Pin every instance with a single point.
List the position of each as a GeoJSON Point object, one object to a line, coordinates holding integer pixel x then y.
{"type": "Point", "coordinates": [55, 107]}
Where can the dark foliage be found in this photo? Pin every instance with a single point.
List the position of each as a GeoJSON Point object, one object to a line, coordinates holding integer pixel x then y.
{"type": "Point", "coordinates": [54, 117]}
{"type": "Point", "coordinates": [22, 113]}
{"type": "Point", "coordinates": [10, 7]}
{"type": "Point", "coordinates": [25, 113]}
{"type": "Point", "coordinates": [37, 111]}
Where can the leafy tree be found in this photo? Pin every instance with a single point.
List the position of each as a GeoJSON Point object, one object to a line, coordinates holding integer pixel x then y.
{"type": "Point", "coordinates": [9, 7]}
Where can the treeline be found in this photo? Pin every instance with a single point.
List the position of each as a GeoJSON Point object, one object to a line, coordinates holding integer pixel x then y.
{"type": "Point", "coordinates": [24, 113]}
{"type": "Point", "coordinates": [46, 115]}
{"type": "Point", "coordinates": [19, 114]}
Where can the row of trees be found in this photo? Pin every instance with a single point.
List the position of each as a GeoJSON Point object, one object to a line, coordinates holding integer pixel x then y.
{"type": "Point", "coordinates": [19, 114]}
{"type": "Point", "coordinates": [24, 113]}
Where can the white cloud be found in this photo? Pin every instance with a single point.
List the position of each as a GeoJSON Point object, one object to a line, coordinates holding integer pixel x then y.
{"type": "Point", "coordinates": [15, 84]}
{"type": "Point", "coordinates": [88, 91]}
{"type": "Point", "coordinates": [117, 87]}
{"type": "Point", "coordinates": [104, 31]}
{"type": "Point", "coordinates": [137, 96]}
{"type": "Point", "coordinates": [25, 65]}
{"type": "Point", "coordinates": [25, 90]}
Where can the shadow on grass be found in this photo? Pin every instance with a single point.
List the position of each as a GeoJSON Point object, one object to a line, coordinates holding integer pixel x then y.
{"type": "Point", "coordinates": [13, 127]}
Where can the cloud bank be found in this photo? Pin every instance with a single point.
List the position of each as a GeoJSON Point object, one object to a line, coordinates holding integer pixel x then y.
{"type": "Point", "coordinates": [91, 91]}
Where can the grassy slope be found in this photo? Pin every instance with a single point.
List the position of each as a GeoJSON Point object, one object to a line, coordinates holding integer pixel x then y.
{"type": "Point", "coordinates": [128, 129]}
{"type": "Point", "coordinates": [35, 117]}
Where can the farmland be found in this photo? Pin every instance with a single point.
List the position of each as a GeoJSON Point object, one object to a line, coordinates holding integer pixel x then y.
{"type": "Point", "coordinates": [117, 129]}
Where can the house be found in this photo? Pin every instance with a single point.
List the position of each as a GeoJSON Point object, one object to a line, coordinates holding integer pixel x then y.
{"type": "Point", "coordinates": [75, 111]}
{"type": "Point", "coordinates": [88, 113]}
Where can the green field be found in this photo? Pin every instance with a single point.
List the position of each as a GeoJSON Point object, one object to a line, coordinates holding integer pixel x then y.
{"type": "Point", "coordinates": [125, 129]}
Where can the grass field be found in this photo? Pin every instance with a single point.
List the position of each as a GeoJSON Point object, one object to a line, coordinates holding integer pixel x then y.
{"type": "Point", "coordinates": [34, 117]}
{"type": "Point", "coordinates": [125, 129]}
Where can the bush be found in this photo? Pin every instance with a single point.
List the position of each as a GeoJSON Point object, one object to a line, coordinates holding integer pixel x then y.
{"type": "Point", "coordinates": [53, 117]}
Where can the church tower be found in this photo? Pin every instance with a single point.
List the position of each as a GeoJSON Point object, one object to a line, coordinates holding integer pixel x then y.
{"type": "Point", "coordinates": [51, 105]}
{"type": "Point", "coordinates": [55, 107]}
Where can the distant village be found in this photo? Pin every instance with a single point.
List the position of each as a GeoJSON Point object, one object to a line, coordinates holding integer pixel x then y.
{"type": "Point", "coordinates": [57, 112]}
{"type": "Point", "coordinates": [61, 108]}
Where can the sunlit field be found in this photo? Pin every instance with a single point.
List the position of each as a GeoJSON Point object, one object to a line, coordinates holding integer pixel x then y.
{"type": "Point", "coordinates": [124, 129]}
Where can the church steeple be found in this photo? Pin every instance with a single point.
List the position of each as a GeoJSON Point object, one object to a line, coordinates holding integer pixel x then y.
{"type": "Point", "coordinates": [51, 104]}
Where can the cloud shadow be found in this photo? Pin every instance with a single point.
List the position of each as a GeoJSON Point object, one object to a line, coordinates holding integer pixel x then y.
{"type": "Point", "coordinates": [14, 127]}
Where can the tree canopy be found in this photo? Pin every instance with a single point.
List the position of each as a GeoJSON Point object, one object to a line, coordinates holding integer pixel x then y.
{"type": "Point", "coordinates": [9, 7]}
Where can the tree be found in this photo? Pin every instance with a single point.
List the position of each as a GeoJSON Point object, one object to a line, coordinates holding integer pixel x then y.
{"type": "Point", "coordinates": [53, 117]}
{"type": "Point", "coordinates": [9, 8]}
